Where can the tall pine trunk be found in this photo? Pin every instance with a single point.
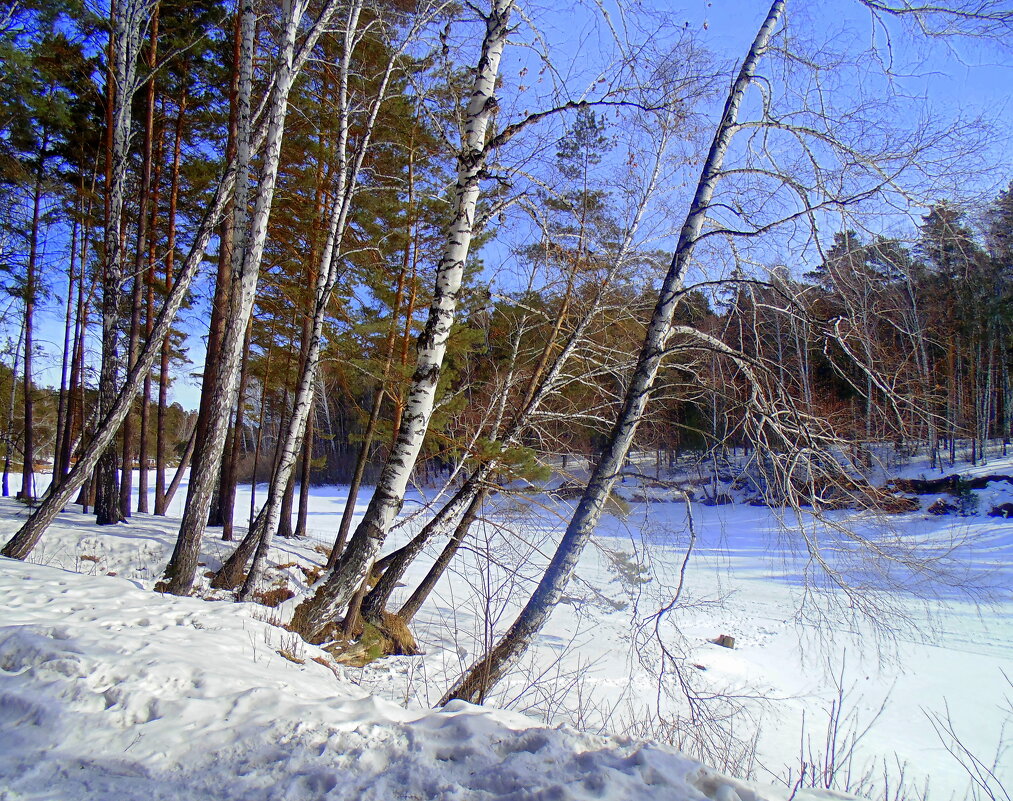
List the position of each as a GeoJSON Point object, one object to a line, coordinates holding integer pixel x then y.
{"type": "Point", "coordinates": [165, 353]}
{"type": "Point", "coordinates": [28, 449]}
{"type": "Point", "coordinates": [302, 514]}
{"type": "Point", "coordinates": [74, 421]}
{"type": "Point", "coordinates": [145, 439]}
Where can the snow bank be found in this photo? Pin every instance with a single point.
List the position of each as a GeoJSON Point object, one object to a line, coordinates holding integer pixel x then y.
{"type": "Point", "coordinates": [110, 691]}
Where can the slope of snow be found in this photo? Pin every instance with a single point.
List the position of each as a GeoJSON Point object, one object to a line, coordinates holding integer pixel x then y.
{"type": "Point", "coordinates": [110, 691]}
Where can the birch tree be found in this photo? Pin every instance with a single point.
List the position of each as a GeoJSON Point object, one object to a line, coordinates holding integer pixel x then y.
{"type": "Point", "coordinates": [792, 165]}
{"type": "Point", "coordinates": [248, 250]}
{"type": "Point", "coordinates": [350, 158]}
{"type": "Point", "coordinates": [342, 582]}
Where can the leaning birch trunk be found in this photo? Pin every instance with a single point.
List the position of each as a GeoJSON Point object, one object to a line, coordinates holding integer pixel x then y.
{"type": "Point", "coordinates": [295, 429]}
{"type": "Point", "coordinates": [542, 384]}
{"type": "Point", "coordinates": [485, 673]}
{"type": "Point", "coordinates": [327, 276]}
{"type": "Point", "coordinates": [375, 602]}
{"type": "Point", "coordinates": [439, 567]}
{"type": "Point", "coordinates": [182, 567]}
{"type": "Point", "coordinates": [410, 254]}
{"type": "Point", "coordinates": [28, 536]}
{"type": "Point", "coordinates": [343, 581]}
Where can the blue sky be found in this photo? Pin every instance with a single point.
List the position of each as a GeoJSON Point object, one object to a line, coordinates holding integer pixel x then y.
{"type": "Point", "coordinates": [954, 73]}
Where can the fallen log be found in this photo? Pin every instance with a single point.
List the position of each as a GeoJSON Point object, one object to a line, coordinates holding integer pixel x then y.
{"type": "Point", "coordinates": [954, 484]}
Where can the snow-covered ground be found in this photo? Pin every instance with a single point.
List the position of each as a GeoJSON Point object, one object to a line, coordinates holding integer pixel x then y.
{"type": "Point", "coordinates": [108, 690]}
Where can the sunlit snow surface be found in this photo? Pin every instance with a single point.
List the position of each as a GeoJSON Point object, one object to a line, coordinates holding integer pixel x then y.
{"type": "Point", "coordinates": [108, 690]}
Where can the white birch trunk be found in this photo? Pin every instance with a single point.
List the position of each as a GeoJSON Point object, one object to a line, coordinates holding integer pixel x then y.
{"type": "Point", "coordinates": [484, 674]}
{"type": "Point", "coordinates": [343, 581]}
{"type": "Point", "coordinates": [542, 387]}
{"type": "Point", "coordinates": [327, 275]}
{"type": "Point", "coordinates": [182, 566]}
{"type": "Point", "coordinates": [326, 278]}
